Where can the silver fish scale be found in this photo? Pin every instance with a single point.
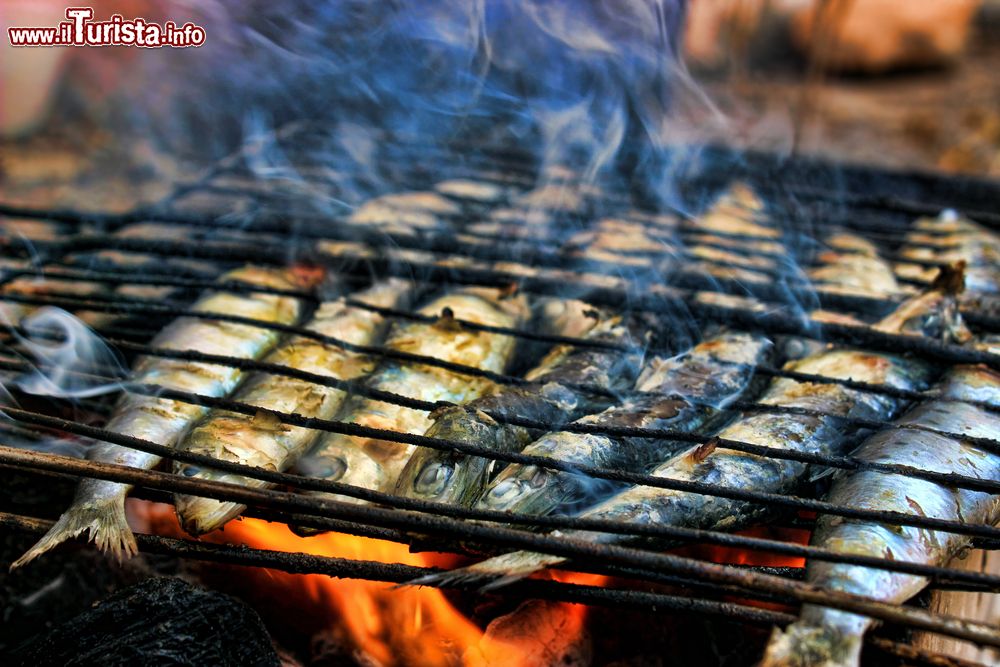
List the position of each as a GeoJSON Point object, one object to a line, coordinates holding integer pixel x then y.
{"type": "Point", "coordinates": [892, 492]}
{"type": "Point", "coordinates": [716, 371]}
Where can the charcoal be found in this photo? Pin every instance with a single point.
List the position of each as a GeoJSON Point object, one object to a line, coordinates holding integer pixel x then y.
{"type": "Point", "coordinates": [65, 582]}
{"type": "Point", "coordinates": [161, 621]}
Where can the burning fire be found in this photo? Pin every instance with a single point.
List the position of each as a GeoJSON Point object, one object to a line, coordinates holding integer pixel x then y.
{"type": "Point", "coordinates": [389, 625]}
{"type": "Point", "coordinates": [738, 556]}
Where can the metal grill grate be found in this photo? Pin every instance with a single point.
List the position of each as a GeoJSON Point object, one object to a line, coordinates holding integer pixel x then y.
{"type": "Point", "coordinates": [282, 221]}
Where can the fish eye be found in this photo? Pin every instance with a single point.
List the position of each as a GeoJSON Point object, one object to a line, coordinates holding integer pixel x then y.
{"type": "Point", "coordinates": [504, 488]}
{"type": "Point", "coordinates": [329, 469]}
{"type": "Point", "coordinates": [336, 469]}
{"type": "Point", "coordinates": [433, 478]}
{"type": "Point", "coordinates": [190, 471]}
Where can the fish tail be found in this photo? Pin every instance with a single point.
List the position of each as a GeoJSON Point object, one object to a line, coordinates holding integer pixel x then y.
{"type": "Point", "coordinates": [103, 521]}
{"type": "Point", "coordinates": [803, 644]}
{"type": "Point", "coordinates": [492, 573]}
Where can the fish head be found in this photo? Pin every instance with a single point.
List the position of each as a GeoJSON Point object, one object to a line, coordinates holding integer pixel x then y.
{"type": "Point", "coordinates": [329, 466]}
{"type": "Point", "coordinates": [429, 475]}
{"type": "Point", "coordinates": [451, 476]}
{"type": "Point", "coordinates": [529, 489]}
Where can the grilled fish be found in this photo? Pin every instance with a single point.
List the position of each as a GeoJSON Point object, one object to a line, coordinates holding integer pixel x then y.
{"type": "Point", "coordinates": [483, 192]}
{"type": "Point", "coordinates": [852, 266]}
{"type": "Point", "coordinates": [832, 638]}
{"type": "Point", "coordinates": [933, 314]}
{"type": "Point", "coordinates": [406, 211]}
{"type": "Point", "coordinates": [739, 211]}
{"type": "Point", "coordinates": [950, 238]}
{"type": "Point", "coordinates": [557, 393]}
{"type": "Point", "coordinates": [375, 464]}
{"type": "Point", "coordinates": [266, 443]}
{"type": "Point", "coordinates": [707, 376]}
{"type": "Point", "coordinates": [99, 506]}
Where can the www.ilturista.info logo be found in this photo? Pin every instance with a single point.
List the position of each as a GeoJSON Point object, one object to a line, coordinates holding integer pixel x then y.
{"type": "Point", "coordinates": [80, 30]}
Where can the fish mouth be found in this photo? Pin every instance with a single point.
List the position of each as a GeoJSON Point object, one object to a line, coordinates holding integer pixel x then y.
{"type": "Point", "coordinates": [199, 515]}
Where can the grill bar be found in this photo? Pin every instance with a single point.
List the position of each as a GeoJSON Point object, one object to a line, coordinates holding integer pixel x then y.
{"type": "Point", "coordinates": [804, 206]}
{"type": "Point", "coordinates": [970, 581]}
{"type": "Point", "coordinates": [292, 563]}
{"type": "Point", "coordinates": [661, 532]}
{"type": "Point", "coordinates": [247, 364]}
{"type": "Point", "coordinates": [775, 322]}
{"type": "Point", "coordinates": [527, 250]}
{"type": "Point", "coordinates": [843, 462]}
{"type": "Point", "coordinates": [300, 563]}
{"type": "Point", "coordinates": [751, 581]}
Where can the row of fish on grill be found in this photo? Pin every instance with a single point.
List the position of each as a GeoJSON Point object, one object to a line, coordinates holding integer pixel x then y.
{"type": "Point", "coordinates": [600, 373]}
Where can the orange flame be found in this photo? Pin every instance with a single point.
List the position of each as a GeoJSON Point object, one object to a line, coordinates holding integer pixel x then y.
{"type": "Point", "coordinates": [389, 625]}
{"type": "Point", "coordinates": [739, 556]}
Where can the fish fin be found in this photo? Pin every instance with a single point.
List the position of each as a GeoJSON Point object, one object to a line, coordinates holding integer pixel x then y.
{"type": "Point", "coordinates": [803, 644]}
{"type": "Point", "coordinates": [492, 573]}
{"type": "Point", "coordinates": [198, 515]}
{"type": "Point", "coordinates": [103, 521]}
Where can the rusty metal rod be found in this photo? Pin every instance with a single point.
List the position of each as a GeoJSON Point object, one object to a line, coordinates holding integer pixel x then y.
{"type": "Point", "coordinates": [842, 462]}
{"type": "Point", "coordinates": [342, 568]}
{"type": "Point", "coordinates": [669, 300]}
{"type": "Point", "coordinates": [794, 502]}
{"type": "Point", "coordinates": [614, 555]}
{"type": "Point", "coordinates": [247, 364]}
{"type": "Point", "coordinates": [983, 581]}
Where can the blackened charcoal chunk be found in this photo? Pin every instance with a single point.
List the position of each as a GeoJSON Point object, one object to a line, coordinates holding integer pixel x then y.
{"type": "Point", "coordinates": [160, 621]}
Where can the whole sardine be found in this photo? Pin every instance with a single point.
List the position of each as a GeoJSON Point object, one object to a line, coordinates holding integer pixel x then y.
{"type": "Point", "coordinates": [266, 443]}
{"type": "Point", "coordinates": [680, 393]}
{"type": "Point", "coordinates": [555, 394]}
{"type": "Point", "coordinates": [933, 314]}
{"type": "Point", "coordinates": [831, 638]}
{"type": "Point", "coordinates": [375, 464]}
{"type": "Point", "coordinates": [950, 238]}
{"type": "Point", "coordinates": [99, 506]}
{"type": "Point", "coordinates": [852, 266]}
{"type": "Point", "coordinates": [405, 211]}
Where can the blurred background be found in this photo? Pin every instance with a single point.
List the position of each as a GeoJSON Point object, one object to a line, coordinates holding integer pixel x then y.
{"type": "Point", "coordinates": [894, 83]}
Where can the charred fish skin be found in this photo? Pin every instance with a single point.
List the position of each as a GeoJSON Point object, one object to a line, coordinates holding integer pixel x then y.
{"type": "Point", "coordinates": [833, 638]}
{"type": "Point", "coordinates": [99, 506]}
{"type": "Point", "coordinates": [375, 464]}
{"type": "Point", "coordinates": [267, 443]}
{"type": "Point", "coordinates": [558, 393]}
{"type": "Point", "coordinates": [681, 393]}
{"type": "Point", "coordinates": [933, 313]}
